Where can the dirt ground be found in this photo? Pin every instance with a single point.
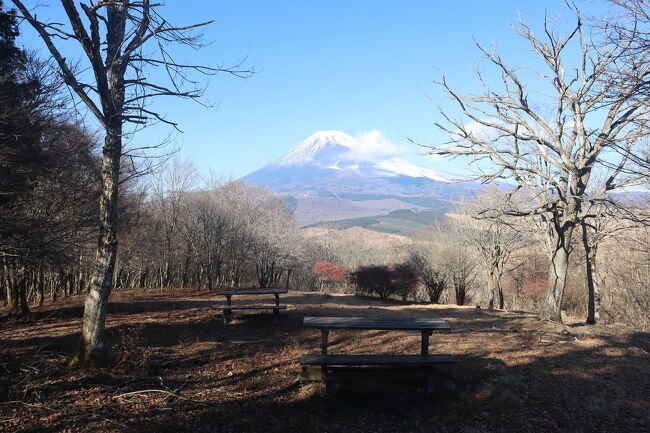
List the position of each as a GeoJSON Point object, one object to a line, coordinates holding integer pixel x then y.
{"type": "Point", "coordinates": [179, 368]}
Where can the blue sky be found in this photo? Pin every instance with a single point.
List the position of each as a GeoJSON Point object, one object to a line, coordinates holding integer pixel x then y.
{"type": "Point", "coordinates": [355, 66]}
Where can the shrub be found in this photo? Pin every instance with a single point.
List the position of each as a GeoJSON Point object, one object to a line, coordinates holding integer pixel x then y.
{"type": "Point", "coordinates": [329, 274]}
{"type": "Point", "coordinates": [329, 270]}
{"type": "Point", "coordinates": [384, 281]}
{"type": "Point", "coordinates": [432, 278]}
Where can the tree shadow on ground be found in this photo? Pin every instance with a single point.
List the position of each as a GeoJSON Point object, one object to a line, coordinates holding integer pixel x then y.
{"type": "Point", "coordinates": [513, 374]}
{"type": "Point", "coordinates": [581, 390]}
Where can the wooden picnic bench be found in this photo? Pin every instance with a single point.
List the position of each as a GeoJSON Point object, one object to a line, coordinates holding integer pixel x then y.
{"type": "Point", "coordinates": [325, 367]}
{"type": "Point", "coordinates": [229, 308]}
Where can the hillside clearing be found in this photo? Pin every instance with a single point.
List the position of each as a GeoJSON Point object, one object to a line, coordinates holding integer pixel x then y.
{"type": "Point", "coordinates": [180, 369]}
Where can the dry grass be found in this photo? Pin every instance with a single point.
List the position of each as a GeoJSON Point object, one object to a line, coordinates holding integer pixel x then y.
{"type": "Point", "coordinates": [180, 369]}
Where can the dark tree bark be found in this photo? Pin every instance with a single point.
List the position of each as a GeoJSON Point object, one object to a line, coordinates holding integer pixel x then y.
{"type": "Point", "coordinates": [94, 347]}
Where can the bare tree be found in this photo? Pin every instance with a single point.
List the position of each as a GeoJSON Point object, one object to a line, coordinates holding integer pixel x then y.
{"type": "Point", "coordinates": [114, 36]}
{"type": "Point", "coordinates": [48, 176]}
{"type": "Point", "coordinates": [459, 263]}
{"type": "Point", "coordinates": [428, 274]}
{"type": "Point", "coordinates": [625, 271]}
{"type": "Point", "coordinates": [169, 191]}
{"type": "Point", "coordinates": [483, 224]}
{"type": "Point", "coordinates": [425, 256]}
{"type": "Point", "coordinates": [441, 258]}
{"type": "Point", "coordinates": [273, 235]}
{"type": "Point", "coordinates": [551, 147]}
{"type": "Point", "coordinates": [595, 232]}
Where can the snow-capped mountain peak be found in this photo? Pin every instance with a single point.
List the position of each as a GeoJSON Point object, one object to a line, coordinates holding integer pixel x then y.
{"type": "Point", "coordinates": [323, 146]}
{"type": "Point", "coordinates": [333, 176]}
{"type": "Point", "coordinates": [336, 150]}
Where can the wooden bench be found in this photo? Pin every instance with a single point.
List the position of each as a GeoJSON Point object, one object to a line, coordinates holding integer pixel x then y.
{"type": "Point", "coordinates": [376, 359]}
{"type": "Point", "coordinates": [326, 367]}
{"type": "Point", "coordinates": [228, 308]}
{"type": "Point", "coordinates": [345, 368]}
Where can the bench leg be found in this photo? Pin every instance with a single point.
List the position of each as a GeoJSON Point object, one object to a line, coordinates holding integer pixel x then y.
{"type": "Point", "coordinates": [276, 315]}
{"type": "Point", "coordinates": [323, 381]}
{"type": "Point", "coordinates": [425, 343]}
{"type": "Point", "coordinates": [226, 313]}
{"type": "Point", "coordinates": [323, 342]}
{"type": "Point", "coordinates": [323, 369]}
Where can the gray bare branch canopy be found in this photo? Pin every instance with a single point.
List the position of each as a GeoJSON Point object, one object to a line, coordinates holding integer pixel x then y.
{"type": "Point", "coordinates": [566, 145]}
{"type": "Point", "coordinates": [115, 37]}
{"type": "Point", "coordinates": [631, 28]}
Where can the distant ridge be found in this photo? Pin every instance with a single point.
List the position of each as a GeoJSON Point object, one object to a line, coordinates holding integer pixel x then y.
{"type": "Point", "coordinates": [398, 222]}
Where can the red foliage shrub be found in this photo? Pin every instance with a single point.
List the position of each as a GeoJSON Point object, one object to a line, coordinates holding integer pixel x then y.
{"type": "Point", "coordinates": [330, 271]}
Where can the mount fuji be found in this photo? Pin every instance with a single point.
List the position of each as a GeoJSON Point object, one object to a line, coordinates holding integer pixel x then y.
{"type": "Point", "coordinates": [329, 177]}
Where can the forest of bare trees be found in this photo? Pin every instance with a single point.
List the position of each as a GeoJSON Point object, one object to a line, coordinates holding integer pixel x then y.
{"type": "Point", "coordinates": [572, 171]}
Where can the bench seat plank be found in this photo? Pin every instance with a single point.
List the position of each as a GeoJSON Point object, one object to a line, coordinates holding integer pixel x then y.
{"type": "Point", "coordinates": [373, 373]}
{"type": "Point", "coordinates": [325, 360]}
{"type": "Point", "coordinates": [252, 307]}
{"type": "Point", "coordinates": [375, 323]}
{"type": "Point", "coordinates": [253, 292]}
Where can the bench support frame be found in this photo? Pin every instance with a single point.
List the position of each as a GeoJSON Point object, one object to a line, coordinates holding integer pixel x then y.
{"type": "Point", "coordinates": [326, 375]}
{"type": "Point", "coordinates": [227, 312]}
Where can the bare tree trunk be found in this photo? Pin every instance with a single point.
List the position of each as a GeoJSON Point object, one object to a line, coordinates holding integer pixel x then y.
{"type": "Point", "coordinates": [494, 289]}
{"type": "Point", "coordinates": [559, 265]}
{"type": "Point", "coordinates": [286, 286]}
{"type": "Point", "coordinates": [39, 283]}
{"type": "Point", "coordinates": [499, 289]}
{"type": "Point", "coordinates": [461, 291]}
{"type": "Point", "coordinates": [23, 306]}
{"type": "Point", "coordinates": [17, 290]}
{"type": "Point", "coordinates": [199, 283]}
{"type": "Point", "coordinates": [164, 277]}
{"type": "Point", "coordinates": [209, 273]}
{"type": "Point", "coordinates": [12, 297]}
{"type": "Point", "coordinates": [593, 296]}
{"type": "Point", "coordinates": [143, 277]}
{"type": "Point", "coordinates": [186, 267]}
{"type": "Point", "coordinates": [491, 286]}
{"type": "Point", "coordinates": [598, 284]}
{"type": "Point", "coordinates": [95, 349]}
{"type": "Point", "coordinates": [69, 285]}
{"type": "Point", "coordinates": [54, 284]}
{"type": "Point", "coordinates": [12, 292]}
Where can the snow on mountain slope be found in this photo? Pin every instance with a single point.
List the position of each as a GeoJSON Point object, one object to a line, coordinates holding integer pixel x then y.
{"type": "Point", "coordinates": [321, 147]}
{"type": "Point", "coordinates": [337, 150]}
{"type": "Point", "coordinates": [399, 166]}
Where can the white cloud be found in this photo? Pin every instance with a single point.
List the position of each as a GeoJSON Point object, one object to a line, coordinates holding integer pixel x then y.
{"type": "Point", "coordinates": [374, 145]}
{"type": "Point", "coordinates": [481, 131]}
